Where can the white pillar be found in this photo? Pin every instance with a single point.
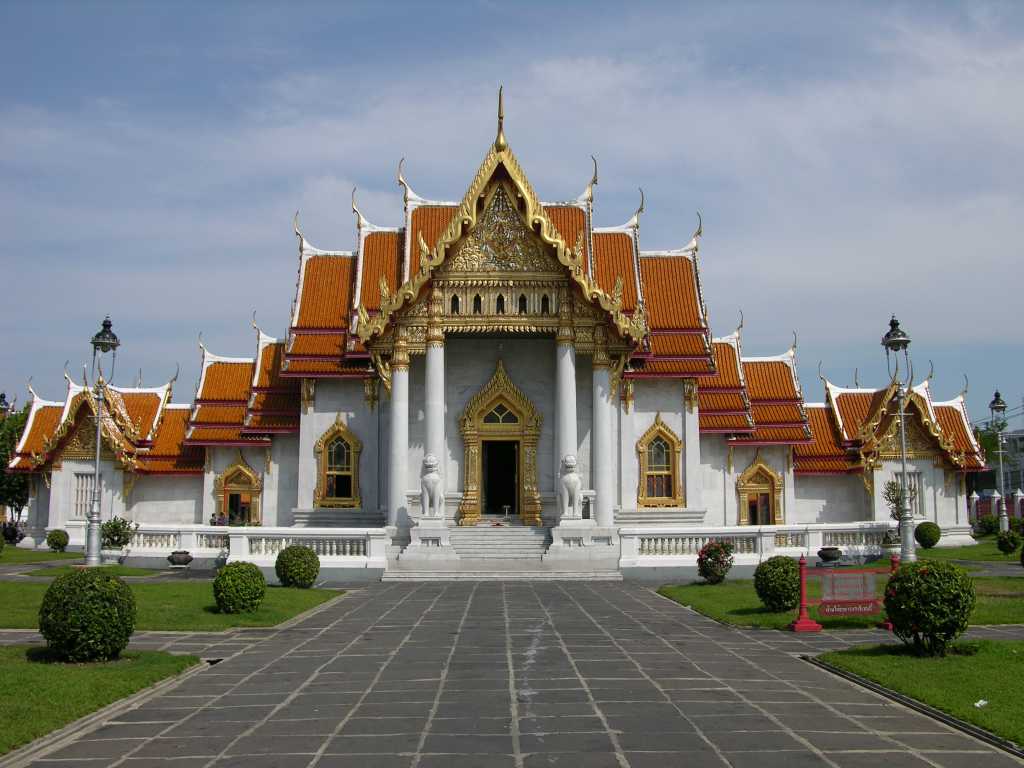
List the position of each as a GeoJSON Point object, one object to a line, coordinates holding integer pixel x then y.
{"type": "Point", "coordinates": [604, 485]}
{"type": "Point", "coordinates": [565, 393]}
{"type": "Point", "coordinates": [691, 446]}
{"type": "Point", "coordinates": [435, 406]}
{"type": "Point", "coordinates": [399, 443]}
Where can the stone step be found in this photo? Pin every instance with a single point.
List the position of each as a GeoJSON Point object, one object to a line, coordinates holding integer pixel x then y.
{"type": "Point", "coordinates": [336, 518]}
{"type": "Point", "coordinates": [694, 517]}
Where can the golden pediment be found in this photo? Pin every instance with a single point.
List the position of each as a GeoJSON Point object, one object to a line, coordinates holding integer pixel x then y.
{"type": "Point", "coordinates": [920, 444]}
{"type": "Point", "coordinates": [500, 242]}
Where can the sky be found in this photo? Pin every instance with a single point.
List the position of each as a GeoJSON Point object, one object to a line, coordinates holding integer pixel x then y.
{"type": "Point", "coordinates": [849, 160]}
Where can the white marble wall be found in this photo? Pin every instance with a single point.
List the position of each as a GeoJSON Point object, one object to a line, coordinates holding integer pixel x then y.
{"type": "Point", "coordinates": [62, 491]}
{"type": "Point", "coordinates": [650, 397]}
{"type": "Point", "coordinates": [941, 493]}
{"type": "Point", "coordinates": [831, 499]}
{"type": "Point", "coordinates": [173, 499]}
{"type": "Point", "coordinates": [719, 481]}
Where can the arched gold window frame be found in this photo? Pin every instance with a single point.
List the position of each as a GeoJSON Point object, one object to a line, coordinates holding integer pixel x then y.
{"type": "Point", "coordinates": [337, 430]}
{"type": "Point", "coordinates": [227, 482]}
{"type": "Point", "coordinates": [759, 478]}
{"type": "Point", "coordinates": [660, 429]}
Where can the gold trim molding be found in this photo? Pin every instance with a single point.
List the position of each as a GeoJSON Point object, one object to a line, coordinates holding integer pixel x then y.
{"type": "Point", "coordinates": [660, 429]}
{"type": "Point", "coordinates": [337, 429]}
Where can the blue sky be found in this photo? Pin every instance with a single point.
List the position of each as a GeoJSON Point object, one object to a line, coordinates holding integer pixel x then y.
{"type": "Point", "coordinates": [850, 160]}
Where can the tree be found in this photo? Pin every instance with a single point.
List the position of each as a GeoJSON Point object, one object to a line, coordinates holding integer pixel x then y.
{"type": "Point", "coordinates": [13, 487]}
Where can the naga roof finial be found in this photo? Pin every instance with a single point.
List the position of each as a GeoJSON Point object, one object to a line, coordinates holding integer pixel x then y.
{"type": "Point", "coordinates": [856, 378]}
{"type": "Point", "coordinates": [588, 193]}
{"type": "Point", "coordinates": [500, 145]}
{"type": "Point", "coordinates": [360, 219]}
{"type": "Point", "coordinates": [740, 326]}
{"type": "Point", "coordinates": [635, 221]}
{"type": "Point", "coordinates": [963, 392]}
{"type": "Point", "coordinates": [821, 375]}
{"type": "Point", "coordinates": [174, 378]}
{"type": "Point", "coordinates": [792, 349]}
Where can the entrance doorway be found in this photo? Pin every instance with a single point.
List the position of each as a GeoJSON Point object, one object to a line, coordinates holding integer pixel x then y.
{"type": "Point", "coordinates": [501, 476]}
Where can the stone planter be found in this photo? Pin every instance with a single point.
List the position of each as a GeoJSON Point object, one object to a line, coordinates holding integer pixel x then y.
{"type": "Point", "coordinates": [111, 556]}
{"type": "Point", "coordinates": [829, 554]}
{"type": "Point", "coordinates": [180, 558]}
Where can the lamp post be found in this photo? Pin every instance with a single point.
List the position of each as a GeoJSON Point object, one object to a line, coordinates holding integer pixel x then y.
{"type": "Point", "coordinates": [996, 409]}
{"type": "Point", "coordinates": [5, 407]}
{"type": "Point", "coordinates": [104, 341]}
{"type": "Point", "coordinates": [896, 341]}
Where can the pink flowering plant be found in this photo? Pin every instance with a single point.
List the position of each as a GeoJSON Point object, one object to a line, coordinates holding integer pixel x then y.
{"type": "Point", "coordinates": [714, 561]}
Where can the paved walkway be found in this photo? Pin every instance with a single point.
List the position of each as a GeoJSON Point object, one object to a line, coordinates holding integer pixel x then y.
{"type": "Point", "coordinates": [517, 674]}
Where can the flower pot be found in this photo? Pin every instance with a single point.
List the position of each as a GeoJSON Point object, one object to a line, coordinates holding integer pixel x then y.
{"type": "Point", "coordinates": [111, 556]}
{"type": "Point", "coordinates": [180, 558]}
{"type": "Point", "coordinates": [829, 554]}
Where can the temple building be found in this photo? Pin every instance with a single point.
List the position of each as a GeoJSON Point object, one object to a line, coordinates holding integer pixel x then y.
{"type": "Point", "coordinates": [494, 379]}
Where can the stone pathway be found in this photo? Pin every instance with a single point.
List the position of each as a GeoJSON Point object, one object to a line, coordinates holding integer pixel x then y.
{"type": "Point", "coordinates": [437, 675]}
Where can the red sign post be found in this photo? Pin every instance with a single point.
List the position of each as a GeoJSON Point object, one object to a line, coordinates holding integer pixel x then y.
{"type": "Point", "coordinates": [845, 592]}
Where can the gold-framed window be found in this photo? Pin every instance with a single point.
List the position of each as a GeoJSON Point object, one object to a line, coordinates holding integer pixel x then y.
{"type": "Point", "coordinates": [337, 453]}
{"type": "Point", "coordinates": [659, 452]}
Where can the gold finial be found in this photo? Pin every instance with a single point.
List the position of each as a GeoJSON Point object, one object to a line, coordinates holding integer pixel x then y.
{"type": "Point", "coordinates": [499, 142]}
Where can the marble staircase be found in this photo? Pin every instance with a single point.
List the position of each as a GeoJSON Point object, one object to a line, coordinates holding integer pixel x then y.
{"type": "Point", "coordinates": [513, 542]}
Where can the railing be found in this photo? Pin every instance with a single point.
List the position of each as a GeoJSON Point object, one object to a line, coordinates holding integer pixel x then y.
{"type": "Point", "coordinates": [348, 547]}
{"type": "Point", "coordinates": [679, 545]}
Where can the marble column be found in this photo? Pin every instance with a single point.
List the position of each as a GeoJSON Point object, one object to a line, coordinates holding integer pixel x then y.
{"type": "Point", "coordinates": [565, 394]}
{"type": "Point", "coordinates": [604, 485]}
{"type": "Point", "coordinates": [691, 446]}
{"type": "Point", "coordinates": [398, 448]}
{"type": "Point", "coordinates": [435, 404]}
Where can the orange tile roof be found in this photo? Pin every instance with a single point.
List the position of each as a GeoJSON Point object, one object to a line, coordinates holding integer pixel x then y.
{"type": "Point", "coordinates": [854, 409]}
{"type": "Point", "coordinates": [776, 402]}
{"type": "Point", "coordinates": [325, 368]}
{"type": "Point", "coordinates": [226, 381]}
{"type": "Point", "coordinates": [954, 424]}
{"type": "Point", "coordinates": [274, 404]}
{"type": "Point", "coordinates": [169, 454]}
{"type": "Point", "coordinates": [429, 221]}
{"type": "Point", "coordinates": [669, 284]}
{"type": "Point", "coordinates": [142, 408]}
{"type": "Point", "coordinates": [203, 435]}
{"type": "Point", "coordinates": [665, 345]}
{"type": "Point", "coordinates": [722, 401]}
{"type": "Point", "coordinates": [823, 455]}
{"type": "Point", "coordinates": [219, 414]}
{"type": "Point", "coordinates": [725, 423]}
{"type": "Point", "coordinates": [332, 344]}
{"type": "Point", "coordinates": [571, 222]}
{"type": "Point", "coordinates": [42, 424]}
{"type": "Point", "coordinates": [676, 368]}
{"type": "Point", "coordinates": [326, 292]}
{"type": "Point", "coordinates": [381, 257]}
{"type": "Point", "coordinates": [613, 258]}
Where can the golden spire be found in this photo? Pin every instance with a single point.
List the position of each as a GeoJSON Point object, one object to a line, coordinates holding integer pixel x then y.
{"type": "Point", "coordinates": [500, 144]}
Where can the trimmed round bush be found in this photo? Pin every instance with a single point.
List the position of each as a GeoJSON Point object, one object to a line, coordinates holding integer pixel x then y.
{"type": "Point", "coordinates": [57, 539]}
{"type": "Point", "coordinates": [929, 604]}
{"type": "Point", "coordinates": [87, 615]}
{"type": "Point", "coordinates": [714, 561]}
{"type": "Point", "coordinates": [239, 588]}
{"type": "Point", "coordinates": [297, 566]}
{"type": "Point", "coordinates": [777, 583]}
{"type": "Point", "coordinates": [928, 534]}
{"type": "Point", "coordinates": [1008, 541]}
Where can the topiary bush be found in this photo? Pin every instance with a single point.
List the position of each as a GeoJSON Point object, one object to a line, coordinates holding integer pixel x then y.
{"type": "Point", "coordinates": [57, 539]}
{"type": "Point", "coordinates": [12, 532]}
{"type": "Point", "coordinates": [117, 533]}
{"type": "Point", "coordinates": [987, 525]}
{"type": "Point", "coordinates": [714, 561]}
{"type": "Point", "coordinates": [929, 604]}
{"type": "Point", "coordinates": [777, 583]}
{"type": "Point", "coordinates": [1008, 541]}
{"type": "Point", "coordinates": [239, 588]}
{"type": "Point", "coordinates": [297, 566]}
{"type": "Point", "coordinates": [928, 535]}
{"type": "Point", "coordinates": [87, 615]}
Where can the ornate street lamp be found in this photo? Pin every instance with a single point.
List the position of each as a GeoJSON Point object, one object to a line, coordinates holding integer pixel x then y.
{"type": "Point", "coordinates": [103, 342]}
{"type": "Point", "coordinates": [997, 409]}
{"type": "Point", "coordinates": [896, 341]}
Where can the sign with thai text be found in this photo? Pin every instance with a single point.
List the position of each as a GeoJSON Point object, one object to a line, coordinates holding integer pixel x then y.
{"type": "Point", "coordinates": [848, 593]}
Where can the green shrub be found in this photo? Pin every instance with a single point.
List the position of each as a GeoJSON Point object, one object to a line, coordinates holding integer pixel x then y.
{"type": "Point", "coordinates": [2, 543]}
{"type": "Point", "coordinates": [239, 588]}
{"type": "Point", "coordinates": [987, 525]}
{"type": "Point", "coordinates": [297, 566]}
{"type": "Point", "coordinates": [87, 615]}
{"type": "Point", "coordinates": [777, 583]}
{"type": "Point", "coordinates": [117, 533]}
{"type": "Point", "coordinates": [1016, 525]}
{"type": "Point", "coordinates": [928, 535]}
{"type": "Point", "coordinates": [714, 561]}
{"type": "Point", "coordinates": [929, 604]}
{"type": "Point", "coordinates": [1008, 541]}
{"type": "Point", "coordinates": [57, 540]}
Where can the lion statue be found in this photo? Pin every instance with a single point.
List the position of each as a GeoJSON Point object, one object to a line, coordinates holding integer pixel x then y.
{"type": "Point", "coordinates": [431, 492]}
{"type": "Point", "coordinates": [570, 495]}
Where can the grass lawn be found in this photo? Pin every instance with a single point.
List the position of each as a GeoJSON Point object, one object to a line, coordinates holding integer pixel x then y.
{"type": "Point", "coordinates": [985, 551]}
{"type": "Point", "coordinates": [184, 605]}
{"type": "Point", "coordinates": [14, 556]}
{"type": "Point", "coordinates": [1000, 601]}
{"type": "Point", "coordinates": [972, 672]}
{"type": "Point", "coordinates": [42, 696]}
{"type": "Point", "coordinates": [113, 570]}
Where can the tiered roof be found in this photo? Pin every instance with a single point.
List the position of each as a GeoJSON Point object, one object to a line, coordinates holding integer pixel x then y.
{"type": "Point", "coordinates": [776, 400]}
{"type": "Point", "coordinates": [222, 398]}
{"type": "Point", "coordinates": [723, 401]}
{"type": "Point", "coordinates": [139, 425]}
{"type": "Point", "coordinates": [274, 401]}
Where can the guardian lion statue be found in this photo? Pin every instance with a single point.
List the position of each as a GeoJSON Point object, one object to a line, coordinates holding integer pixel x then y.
{"type": "Point", "coordinates": [570, 494]}
{"type": "Point", "coordinates": [431, 491]}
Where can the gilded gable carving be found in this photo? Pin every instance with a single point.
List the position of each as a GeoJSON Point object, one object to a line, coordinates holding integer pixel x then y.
{"type": "Point", "coordinates": [920, 444]}
{"type": "Point", "coordinates": [500, 242]}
